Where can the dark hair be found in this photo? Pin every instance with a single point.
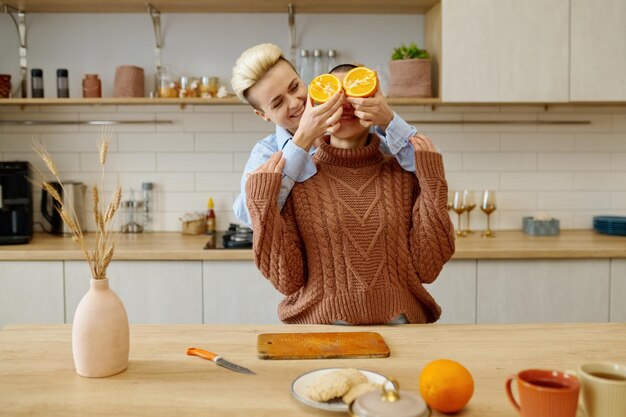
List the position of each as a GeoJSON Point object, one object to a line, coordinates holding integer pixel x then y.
{"type": "Point", "coordinates": [342, 68]}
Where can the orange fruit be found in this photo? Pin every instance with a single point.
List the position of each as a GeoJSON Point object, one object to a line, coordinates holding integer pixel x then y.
{"type": "Point", "coordinates": [360, 82]}
{"type": "Point", "coordinates": [446, 385]}
{"type": "Point", "coordinates": [323, 87]}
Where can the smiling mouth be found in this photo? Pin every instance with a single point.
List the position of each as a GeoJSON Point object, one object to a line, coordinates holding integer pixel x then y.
{"type": "Point", "coordinates": [298, 113]}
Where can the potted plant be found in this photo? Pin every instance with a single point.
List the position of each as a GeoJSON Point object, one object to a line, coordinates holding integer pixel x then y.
{"type": "Point", "coordinates": [410, 71]}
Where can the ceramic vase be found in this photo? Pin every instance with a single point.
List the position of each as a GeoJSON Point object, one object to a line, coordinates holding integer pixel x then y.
{"type": "Point", "coordinates": [410, 78]}
{"type": "Point", "coordinates": [100, 342]}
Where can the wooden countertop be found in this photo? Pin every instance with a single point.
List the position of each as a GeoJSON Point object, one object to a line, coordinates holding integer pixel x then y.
{"type": "Point", "coordinates": [37, 376]}
{"type": "Point", "coordinates": [571, 244]}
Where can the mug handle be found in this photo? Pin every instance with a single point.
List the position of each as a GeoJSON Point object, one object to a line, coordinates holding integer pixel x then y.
{"type": "Point", "coordinates": [509, 393]}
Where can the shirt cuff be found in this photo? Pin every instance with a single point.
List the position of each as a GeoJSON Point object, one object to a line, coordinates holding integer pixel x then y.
{"type": "Point", "coordinates": [298, 163]}
{"type": "Point", "coordinates": [397, 134]}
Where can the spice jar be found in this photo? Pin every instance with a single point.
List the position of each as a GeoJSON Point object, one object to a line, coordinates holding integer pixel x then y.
{"type": "Point", "coordinates": [169, 86]}
{"type": "Point", "coordinates": [36, 83]}
{"type": "Point", "coordinates": [389, 403]}
{"type": "Point", "coordinates": [92, 87]}
{"type": "Point", "coordinates": [63, 84]}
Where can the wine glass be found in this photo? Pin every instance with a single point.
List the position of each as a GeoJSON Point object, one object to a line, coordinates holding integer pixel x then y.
{"type": "Point", "coordinates": [450, 200]}
{"type": "Point", "coordinates": [459, 208]}
{"type": "Point", "coordinates": [488, 205]}
{"type": "Point", "coordinates": [470, 204]}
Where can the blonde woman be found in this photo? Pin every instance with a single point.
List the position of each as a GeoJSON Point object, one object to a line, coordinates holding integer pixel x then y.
{"type": "Point", "coordinates": [263, 78]}
{"type": "Point", "coordinates": [355, 243]}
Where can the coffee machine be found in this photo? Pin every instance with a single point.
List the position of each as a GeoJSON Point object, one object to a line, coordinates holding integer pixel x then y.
{"type": "Point", "coordinates": [16, 203]}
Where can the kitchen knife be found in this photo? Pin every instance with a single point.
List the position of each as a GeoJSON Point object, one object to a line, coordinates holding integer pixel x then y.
{"type": "Point", "coordinates": [205, 354]}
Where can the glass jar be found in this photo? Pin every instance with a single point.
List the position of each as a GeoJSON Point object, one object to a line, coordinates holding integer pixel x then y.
{"type": "Point", "coordinates": [209, 86]}
{"type": "Point", "coordinates": [63, 83]}
{"type": "Point", "coordinates": [36, 83]}
{"type": "Point", "coordinates": [169, 86]}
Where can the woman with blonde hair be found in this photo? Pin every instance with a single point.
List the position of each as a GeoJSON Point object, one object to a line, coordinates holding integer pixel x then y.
{"type": "Point", "coordinates": [263, 78]}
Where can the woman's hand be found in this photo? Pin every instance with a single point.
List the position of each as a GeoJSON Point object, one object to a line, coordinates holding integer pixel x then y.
{"type": "Point", "coordinates": [372, 110]}
{"type": "Point", "coordinates": [274, 165]}
{"type": "Point", "coordinates": [422, 143]}
{"type": "Point", "coordinates": [318, 120]}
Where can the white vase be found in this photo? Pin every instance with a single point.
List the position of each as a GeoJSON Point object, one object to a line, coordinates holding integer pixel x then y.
{"type": "Point", "coordinates": [100, 342]}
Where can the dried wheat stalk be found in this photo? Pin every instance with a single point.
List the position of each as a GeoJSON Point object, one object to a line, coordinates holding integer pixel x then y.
{"type": "Point", "coordinates": [100, 256]}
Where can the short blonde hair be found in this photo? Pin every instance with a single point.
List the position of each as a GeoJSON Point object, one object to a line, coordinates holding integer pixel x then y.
{"type": "Point", "coordinates": [252, 65]}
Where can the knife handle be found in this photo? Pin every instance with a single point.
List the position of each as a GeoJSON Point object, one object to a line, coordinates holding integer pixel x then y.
{"type": "Point", "coordinates": [205, 354]}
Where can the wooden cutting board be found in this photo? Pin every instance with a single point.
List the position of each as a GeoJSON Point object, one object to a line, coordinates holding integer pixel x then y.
{"type": "Point", "coordinates": [321, 345]}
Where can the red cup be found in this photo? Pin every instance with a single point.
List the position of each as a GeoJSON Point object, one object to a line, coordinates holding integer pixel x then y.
{"type": "Point", "coordinates": [544, 393]}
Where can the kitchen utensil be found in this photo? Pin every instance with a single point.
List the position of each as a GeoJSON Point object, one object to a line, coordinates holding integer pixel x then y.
{"type": "Point", "coordinates": [389, 403]}
{"type": "Point", "coordinates": [333, 345]}
{"type": "Point", "coordinates": [300, 384]}
{"type": "Point", "coordinates": [73, 195]}
{"type": "Point", "coordinates": [205, 354]}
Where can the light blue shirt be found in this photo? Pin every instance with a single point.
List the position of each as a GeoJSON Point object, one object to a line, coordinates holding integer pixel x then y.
{"type": "Point", "coordinates": [299, 165]}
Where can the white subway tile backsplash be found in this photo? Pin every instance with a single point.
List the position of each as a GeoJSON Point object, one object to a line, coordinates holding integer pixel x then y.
{"type": "Point", "coordinates": [574, 161]}
{"type": "Point", "coordinates": [537, 142]}
{"type": "Point", "coordinates": [218, 181]}
{"type": "Point", "coordinates": [250, 122]}
{"type": "Point", "coordinates": [163, 182]}
{"type": "Point", "coordinates": [499, 161]}
{"type": "Point", "coordinates": [119, 162]}
{"type": "Point", "coordinates": [227, 142]}
{"type": "Point", "coordinates": [467, 142]}
{"type": "Point", "coordinates": [572, 172]}
{"type": "Point", "coordinates": [502, 126]}
{"type": "Point", "coordinates": [208, 122]}
{"type": "Point", "coordinates": [67, 162]}
{"type": "Point", "coordinates": [618, 161]}
{"type": "Point", "coordinates": [194, 162]}
{"type": "Point", "coordinates": [595, 142]}
{"type": "Point", "coordinates": [536, 181]}
{"type": "Point", "coordinates": [605, 181]}
{"type": "Point", "coordinates": [155, 142]}
{"type": "Point", "coordinates": [573, 200]}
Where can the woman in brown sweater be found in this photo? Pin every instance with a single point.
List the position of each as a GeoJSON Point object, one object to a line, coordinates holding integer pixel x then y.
{"type": "Point", "coordinates": [355, 242]}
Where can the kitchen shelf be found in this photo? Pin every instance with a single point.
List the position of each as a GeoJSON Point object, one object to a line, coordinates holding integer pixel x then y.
{"type": "Point", "coordinates": [221, 6]}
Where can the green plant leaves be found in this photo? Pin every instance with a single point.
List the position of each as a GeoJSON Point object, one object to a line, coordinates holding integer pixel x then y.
{"type": "Point", "coordinates": [409, 52]}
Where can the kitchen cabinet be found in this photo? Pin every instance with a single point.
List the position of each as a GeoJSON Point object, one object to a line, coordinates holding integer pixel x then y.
{"type": "Point", "coordinates": [598, 50]}
{"type": "Point", "coordinates": [31, 292]}
{"type": "Point", "coordinates": [152, 291]}
{"type": "Point", "coordinates": [236, 292]}
{"type": "Point", "coordinates": [618, 290]}
{"type": "Point", "coordinates": [455, 291]}
{"type": "Point", "coordinates": [543, 291]}
{"type": "Point", "coordinates": [505, 51]}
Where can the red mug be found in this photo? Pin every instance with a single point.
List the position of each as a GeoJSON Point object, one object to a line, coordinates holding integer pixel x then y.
{"type": "Point", "coordinates": [544, 393]}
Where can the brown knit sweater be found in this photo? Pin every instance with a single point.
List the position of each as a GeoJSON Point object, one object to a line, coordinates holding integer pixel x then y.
{"type": "Point", "coordinates": [357, 240]}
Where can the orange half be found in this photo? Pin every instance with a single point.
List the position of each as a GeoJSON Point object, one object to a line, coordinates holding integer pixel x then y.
{"type": "Point", "coordinates": [323, 87]}
{"type": "Point", "coordinates": [360, 82]}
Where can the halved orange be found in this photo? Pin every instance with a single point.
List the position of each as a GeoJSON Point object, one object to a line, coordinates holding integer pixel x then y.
{"type": "Point", "coordinates": [323, 87]}
{"type": "Point", "coordinates": [360, 82]}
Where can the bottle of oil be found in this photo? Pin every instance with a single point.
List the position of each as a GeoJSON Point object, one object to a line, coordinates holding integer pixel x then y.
{"type": "Point", "coordinates": [210, 218]}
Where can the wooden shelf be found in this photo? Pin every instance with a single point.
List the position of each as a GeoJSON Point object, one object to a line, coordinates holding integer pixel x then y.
{"type": "Point", "coordinates": [221, 6]}
{"type": "Point", "coordinates": [170, 101]}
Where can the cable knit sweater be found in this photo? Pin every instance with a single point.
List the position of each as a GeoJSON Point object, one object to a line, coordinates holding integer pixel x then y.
{"type": "Point", "coordinates": [356, 241]}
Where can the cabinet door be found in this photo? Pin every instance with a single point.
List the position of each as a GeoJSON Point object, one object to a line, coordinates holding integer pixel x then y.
{"type": "Point", "coordinates": [236, 292]}
{"type": "Point", "coordinates": [31, 292]}
{"type": "Point", "coordinates": [505, 50]}
{"type": "Point", "coordinates": [158, 292]}
{"type": "Point", "coordinates": [618, 290]}
{"type": "Point", "coordinates": [455, 291]}
{"type": "Point", "coordinates": [543, 291]}
{"type": "Point", "coordinates": [598, 50]}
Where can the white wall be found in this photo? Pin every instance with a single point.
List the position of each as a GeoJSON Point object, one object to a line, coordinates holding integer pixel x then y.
{"type": "Point", "coordinates": [570, 171]}
{"type": "Point", "coordinates": [194, 44]}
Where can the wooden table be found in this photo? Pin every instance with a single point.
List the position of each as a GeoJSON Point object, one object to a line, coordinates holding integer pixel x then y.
{"type": "Point", "coordinates": [37, 376]}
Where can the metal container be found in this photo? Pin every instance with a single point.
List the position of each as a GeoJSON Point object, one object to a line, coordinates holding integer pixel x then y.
{"type": "Point", "coordinates": [541, 227]}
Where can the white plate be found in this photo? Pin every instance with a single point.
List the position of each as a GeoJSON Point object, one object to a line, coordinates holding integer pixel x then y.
{"type": "Point", "coordinates": [300, 384]}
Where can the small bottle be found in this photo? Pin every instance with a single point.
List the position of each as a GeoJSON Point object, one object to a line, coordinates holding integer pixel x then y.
{"type": "Point", "coordinates": [210, 219]}
{"type": "Point", "coordinates": [306, 69]}
{"type": "Point", "coordinates": [317, 63]}
{"type": "Point", "coordinates": [92, 87]}
{"type": "Point", "coordinates": [63, 84]}
{"type": "Point", "coordinates": [36, 83]}
{"type": "Point", "coordinates": [332, 59]}
{"type": "Point", "coordinates": [148, 200]}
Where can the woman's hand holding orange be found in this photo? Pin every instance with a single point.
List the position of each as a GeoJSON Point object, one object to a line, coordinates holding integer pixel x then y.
{"type": "Point", "coordinates": [372, 111]}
